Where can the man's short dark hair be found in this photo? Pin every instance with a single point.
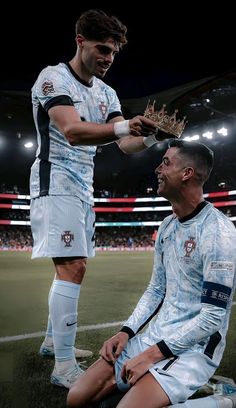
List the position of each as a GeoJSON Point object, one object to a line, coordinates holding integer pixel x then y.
{"type": "Point", "coordinates": [198, 154]}
{"type": "Point", "coordinates": [95, 25]}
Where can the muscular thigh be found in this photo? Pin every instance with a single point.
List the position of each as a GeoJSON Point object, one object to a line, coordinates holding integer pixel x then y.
{"type": "Point", "coordinates": [70, 269]}
{"type": "Point", "coordinates": [94, 384]}
{"type": "Point", "coordinates": [147, 393]}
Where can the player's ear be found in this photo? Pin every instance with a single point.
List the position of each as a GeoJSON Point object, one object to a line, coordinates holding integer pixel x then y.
{"type": "Point", "coordinates": [188, 172]}
{"type": "Point", "coordinates": [80, 39]}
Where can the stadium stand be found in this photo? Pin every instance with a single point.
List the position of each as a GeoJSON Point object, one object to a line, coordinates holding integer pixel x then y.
{"type": "Point", "coordinates": [143, 214]}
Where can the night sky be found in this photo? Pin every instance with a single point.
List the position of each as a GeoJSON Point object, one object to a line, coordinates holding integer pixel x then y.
{"type": "Point", "coordinates": [165, 48]}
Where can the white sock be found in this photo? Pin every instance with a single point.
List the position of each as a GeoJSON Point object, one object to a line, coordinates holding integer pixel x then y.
{"type": "Point", "coordinates": [213, 401]}
{"type": "Point", "coordinates": [48, 341]}
{"type": "Point", "coordinates": [63, 312]}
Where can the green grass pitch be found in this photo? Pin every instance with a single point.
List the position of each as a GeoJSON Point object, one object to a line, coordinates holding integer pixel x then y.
{"type": "Point", "coordinates": [113, 284]}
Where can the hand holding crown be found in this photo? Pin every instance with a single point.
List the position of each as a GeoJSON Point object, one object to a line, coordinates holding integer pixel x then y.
{"type": "Point", "coordinates": [166, 123]}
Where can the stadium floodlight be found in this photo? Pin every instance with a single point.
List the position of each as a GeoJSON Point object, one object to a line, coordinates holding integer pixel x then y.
{"type": "Point", "coordinates": [191, 138]}
{"type": "Point", "coordinates": [28, 145]}
{"type": "Point", "coordinates": [208, 135]}
{"type": "Point", "coordinates": [223, 131]}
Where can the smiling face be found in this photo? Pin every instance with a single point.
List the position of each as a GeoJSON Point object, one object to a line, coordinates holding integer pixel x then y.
{"type": "Point", "coordinates": [97, 56]}
{"type": "Point", "coordinates": [170, 174]}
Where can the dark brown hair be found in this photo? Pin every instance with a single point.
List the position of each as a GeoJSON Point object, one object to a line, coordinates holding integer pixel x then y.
{"type": "Point", "coordinates": [97, 25]}
{"type": "Point", "coordinates": [197, 153]}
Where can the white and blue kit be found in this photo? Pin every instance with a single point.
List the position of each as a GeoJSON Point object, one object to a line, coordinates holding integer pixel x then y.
{"type": "Point", "coordinates": [187, 301]}
{"type": "Point", "coordinates": [61, 169]}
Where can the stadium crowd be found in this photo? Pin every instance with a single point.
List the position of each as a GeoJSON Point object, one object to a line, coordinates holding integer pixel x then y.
{"type": "Point", "coordinates": [20, 238]}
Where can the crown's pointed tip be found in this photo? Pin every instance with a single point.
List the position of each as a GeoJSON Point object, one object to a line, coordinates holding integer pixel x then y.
{"type": "Point", "coordinates": [167, 123]}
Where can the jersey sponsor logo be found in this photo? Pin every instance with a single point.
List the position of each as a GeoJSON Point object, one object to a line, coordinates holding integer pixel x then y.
{"type": "Point", "coordinates": [103, 109]}
{"type": "Point", "coordinates": [222, 265]}
{"type": "Point", "coordinates": [215, 294]}
{"type": "Point", "coordinates": [48, 88]}
{"type": "Point", "coordinates": [67, 237]}
{"type": "Point", "coordinates": [189, 246]}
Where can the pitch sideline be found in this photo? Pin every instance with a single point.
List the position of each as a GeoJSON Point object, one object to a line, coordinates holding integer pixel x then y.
{"type": "Point", "coordinates": [80, 329]}
{"type": "Point", "coordinates": [41, 334]}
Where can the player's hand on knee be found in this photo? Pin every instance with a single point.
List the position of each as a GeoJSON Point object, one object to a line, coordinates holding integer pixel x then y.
{"type": "Point", "coordinates": [112, 347]}
{"type": "Point", "coordinates": [134, 369]}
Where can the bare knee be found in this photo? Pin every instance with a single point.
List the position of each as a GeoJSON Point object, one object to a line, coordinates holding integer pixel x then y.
{"type": "Point", "coordinates": [96, 382]}
{"type": "Point", "coordinates": [73, 398]}
{"type": "Point", "coordinates": [78, 395]}
{"type": "Point", "coordinates": [70, 269]}
{"type": "Point", "coordinates": [79, 269]}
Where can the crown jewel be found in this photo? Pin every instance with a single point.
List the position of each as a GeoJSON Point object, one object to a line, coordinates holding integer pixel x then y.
{"type": "Point", "coordinates": [166, 123]}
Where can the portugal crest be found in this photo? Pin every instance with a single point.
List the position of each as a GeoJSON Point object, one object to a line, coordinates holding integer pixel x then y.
{"type": "Point", "coordinates": [103, 109]}
{"type": "Point", "coordinates": [67, 237]}
{"type": "Point", "coordinates": [189, 246]}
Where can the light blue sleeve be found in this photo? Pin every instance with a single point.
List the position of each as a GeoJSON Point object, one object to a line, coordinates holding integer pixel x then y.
{"type": "Point", "coordinates": [51, 82]}
{"type": "Point", "coordinates": [150, 301]}
{"type": "Point", "coordinates": [217, 251]}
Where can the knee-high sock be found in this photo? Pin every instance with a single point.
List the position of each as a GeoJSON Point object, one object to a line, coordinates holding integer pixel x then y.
{"type": "Point", "coordinates": [213, 401]}
{"type": "Point", "coordinates": [63, 312]}
{"type": "Point", "coordinates": [48, 337]}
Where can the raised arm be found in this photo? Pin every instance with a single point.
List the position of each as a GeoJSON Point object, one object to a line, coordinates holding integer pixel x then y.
{"type": "Point", "coordinates": [78, 132]}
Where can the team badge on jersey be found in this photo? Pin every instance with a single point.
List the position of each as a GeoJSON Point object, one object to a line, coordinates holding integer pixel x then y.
{"type": "Point", "coordinates": [189, 246]}
{"type": "Point", "coordinates": [67, 237]}
{"type": "Point", "coordinates": [48, 88]}
{"type": "Point", "coordinates": [103, 109]}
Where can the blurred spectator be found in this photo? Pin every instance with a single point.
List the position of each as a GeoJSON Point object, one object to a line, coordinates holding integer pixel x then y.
{"type": "Point", "coordinates": [154, 236]}
{"type": "Point", "coordinates": [15, 189]}
{"type": "Point", "coordinates": [15, 238]}
{"type": "Point", "coordinates": [130, 242]}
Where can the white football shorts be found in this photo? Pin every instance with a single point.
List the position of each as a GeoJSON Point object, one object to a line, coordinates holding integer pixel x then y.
{"type": "Point", "coordinates": [62, 226]}
{"type": "Point", "coordinates": [179, 377]}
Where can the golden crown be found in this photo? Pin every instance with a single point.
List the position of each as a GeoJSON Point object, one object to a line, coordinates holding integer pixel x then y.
{"type": "Point", "coordinates": [166, 123]}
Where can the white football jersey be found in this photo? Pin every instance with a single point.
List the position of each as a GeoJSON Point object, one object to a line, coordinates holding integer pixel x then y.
{"type": "Point", "coordinates": [59, 168]}
{"type": "Point", "coordinates": [189, 297]}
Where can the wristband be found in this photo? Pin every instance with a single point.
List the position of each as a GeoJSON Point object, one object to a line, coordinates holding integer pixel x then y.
{"type": "Point", "coordinates": [127, 330]}
{"type": "Point", "coordinates": [122, 128]}
{"type": "Point", "coordinates": [150, 140]}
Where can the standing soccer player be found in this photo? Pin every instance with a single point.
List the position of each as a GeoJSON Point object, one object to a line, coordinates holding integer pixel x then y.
{"type": "Point", "coordinates": [74, 111]}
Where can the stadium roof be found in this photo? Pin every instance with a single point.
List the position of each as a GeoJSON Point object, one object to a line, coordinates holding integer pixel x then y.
{"type": "Point", "coordinates": [209, 105]}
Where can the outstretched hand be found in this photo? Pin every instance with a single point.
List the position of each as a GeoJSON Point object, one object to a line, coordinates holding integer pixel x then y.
{"type": "Point", "coordinates": [141, 126]}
